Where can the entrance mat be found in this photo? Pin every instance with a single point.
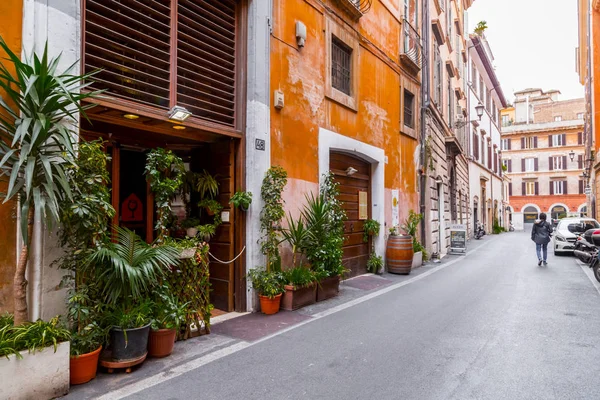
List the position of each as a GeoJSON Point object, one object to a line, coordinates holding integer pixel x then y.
{"type": "Point", "coordinates": [255, 326]}
{"type": "Point", "coordinates": [367, 282]}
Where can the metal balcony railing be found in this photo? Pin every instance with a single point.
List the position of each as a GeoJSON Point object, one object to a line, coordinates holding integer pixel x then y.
{"type": "Point", "coordinates": [356, 8]}
{"type": "Point", "coordinates": [411, 47]}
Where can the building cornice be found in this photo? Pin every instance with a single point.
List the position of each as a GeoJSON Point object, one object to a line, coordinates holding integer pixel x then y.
{"type": "Point", "coordinates": [543, 127]}
{"type": "Point", "coordinates": [489, 68]}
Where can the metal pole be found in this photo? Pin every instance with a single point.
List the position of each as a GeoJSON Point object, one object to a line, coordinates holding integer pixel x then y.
{"type": "Point", "coordinates": [424, 107]}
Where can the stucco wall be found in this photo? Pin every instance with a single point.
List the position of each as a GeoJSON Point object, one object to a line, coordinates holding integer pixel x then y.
{"type": "Point", "coordinates": [10, 30]}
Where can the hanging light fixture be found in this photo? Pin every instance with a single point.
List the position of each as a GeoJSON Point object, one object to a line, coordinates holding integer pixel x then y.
{"type": "Point", "coordinates": [572, 155]}
{"type": "Point", "coordinates": [179, 113]}
{"type": "Point", "coordinates": [479, 110]}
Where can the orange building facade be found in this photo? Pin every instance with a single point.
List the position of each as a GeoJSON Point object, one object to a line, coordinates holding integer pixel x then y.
{"type": "Point", "coordinates": [345, 81]}
{"type": "Point", "coordinates": [10, 30]}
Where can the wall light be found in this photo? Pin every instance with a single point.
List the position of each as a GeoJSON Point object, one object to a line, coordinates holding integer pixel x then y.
{"type": "Point", "coordinates": [130, 116]}
{"type": "Point", "coordinates": [572, 155]}
{"type": "Point", "coordinates": [179, 127]}
{"type": "Point", "coordinates": [178, 113]}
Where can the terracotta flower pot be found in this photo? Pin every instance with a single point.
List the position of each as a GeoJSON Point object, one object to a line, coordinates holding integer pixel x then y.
{"type": "Point", "coordinates": [295, 298]}
{"type": "Point", "coordinates": [83, 368]}
{"type": "Point", "coordinates": [328, 288]}
{"type": "Point", "coordinates": [161, 342]}
{"type": "Point", "coordinates": [270, 306]}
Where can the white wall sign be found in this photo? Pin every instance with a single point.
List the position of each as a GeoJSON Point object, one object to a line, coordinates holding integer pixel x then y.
{"type": "Point", "coordinates": [395, 201]}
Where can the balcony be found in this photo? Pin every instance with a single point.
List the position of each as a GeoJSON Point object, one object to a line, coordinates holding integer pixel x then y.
{"type": "Point", "coordinates": [457, 143]}
{"type": "Point", "coordinates": [355, 8]}
{"type": "Point", "coordinates": [412, 52]}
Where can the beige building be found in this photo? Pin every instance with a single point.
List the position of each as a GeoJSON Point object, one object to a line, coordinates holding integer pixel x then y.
{"type": "Point", "coordinates": [543, 153]}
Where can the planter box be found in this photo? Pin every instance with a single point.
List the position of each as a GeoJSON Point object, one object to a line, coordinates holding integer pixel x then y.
{"type": "Point", "coordinates": [130, 346]}
{"type": "Point", "coordinates": [417, 260]}
{"type": "Point", "coordinates": [295, 298]}
{"type": "Point", "coordinates": [40, 375]}
{"type": "Point", "coordinates": [328, 288]}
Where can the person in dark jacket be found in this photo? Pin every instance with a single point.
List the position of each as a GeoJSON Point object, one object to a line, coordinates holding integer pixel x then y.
{"type": "Point", "coordinates": [540, 234]}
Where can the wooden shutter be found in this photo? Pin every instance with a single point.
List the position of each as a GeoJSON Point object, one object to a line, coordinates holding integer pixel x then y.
{"type": "Point", "coordinates": [206, 59]}
{"type": "Point", "coordinates": [580, 186]}
{"type": "Point", "coordinates": [549, 140]}
{"type": "Point", "coordinates": [510, 189]}
{"type": "Point", "coordinates": [564, 162]}
{"type": "Point", "coordinates": [535, 164]}
{"type": "Point", "coordinates": [522, 142]}
{"type": "Point", "coordinates": [523, 188]}
{"type": "Point", "coordinates": [537, 188]}
{"type": "Point", "coordinates": [475, 145]}
{"type": "Point", "coordinates": [580, 161]}
{"type": "Point", "coordinates": [509, 165]}
{"type": "Point", "coordinates": [565, 189]}
{"type": "Point", "coordinates": [551, 187]}
{"type": "Point", "coordinates": [130, 42]}
{"type": "Point", "coordinates": [509, 143]}
{"type": "Point", "coordinates": [564, 139]}
{"type": "Point", "coordinates": [522, 165]}
{"type": "Point", "coordinates": [489, 160]}
{"type": "Point", "coordinates": [579, 137]}
{"type": "Point", "coordinates": [550, 163]}
{"type": "Point", "coordinates": [535, 142]}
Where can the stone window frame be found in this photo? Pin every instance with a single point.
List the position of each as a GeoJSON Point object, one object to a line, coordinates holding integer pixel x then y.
{"type": "Point", "coordinates": [349, 39]}
{"type": "Point", "coordinates": [409, 86]}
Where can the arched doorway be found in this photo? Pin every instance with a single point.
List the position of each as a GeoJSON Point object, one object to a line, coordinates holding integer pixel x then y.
{"type": "Point", "coordinates": [354, 176]}
{"type": "Point", "coordinates": [583, 210]}
{"type": "Point", "coordinates": [509, 211]}
{"type": "Point", "coordinates": [530, 214]}
{"type": "Point", "coordinates": [558, 211]}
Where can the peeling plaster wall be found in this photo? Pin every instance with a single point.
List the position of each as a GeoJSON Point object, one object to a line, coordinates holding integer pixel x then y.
{"type": "Point", "coordinates": [300, 73]}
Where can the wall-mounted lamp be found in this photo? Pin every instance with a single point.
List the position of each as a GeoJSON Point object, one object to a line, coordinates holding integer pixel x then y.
{"type": "Point", "coordinates": [460, 122]}
{"type": "Point", "coordinates": [479, 110]}
{"type": "Point", "coordinates": [179, 113]}
{"type": "Point", "coordinates": [572, 155]}
{"type": "Point", "coordinates": [351, 171]}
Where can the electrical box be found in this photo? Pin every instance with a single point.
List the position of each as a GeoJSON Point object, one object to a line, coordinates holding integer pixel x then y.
{"type": "Point", "coordinates": [278, 99]}
{"type": "Point", "coordinates": [300, 33]}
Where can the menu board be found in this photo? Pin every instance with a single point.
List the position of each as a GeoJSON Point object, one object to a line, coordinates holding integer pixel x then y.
{"type": "Point", "coordinates": [458, 238]}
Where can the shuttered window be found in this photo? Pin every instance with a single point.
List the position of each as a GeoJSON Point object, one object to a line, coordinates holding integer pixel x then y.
{"type": "Point", "coordinates": [137, 45]}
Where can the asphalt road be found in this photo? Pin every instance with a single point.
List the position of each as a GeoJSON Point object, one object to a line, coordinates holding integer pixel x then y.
{"type": "Point", "coordinates": [492, 326]}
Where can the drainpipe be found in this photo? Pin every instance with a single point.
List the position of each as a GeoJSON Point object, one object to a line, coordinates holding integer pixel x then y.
{"type": "Point", "coordinates": [425, 101]}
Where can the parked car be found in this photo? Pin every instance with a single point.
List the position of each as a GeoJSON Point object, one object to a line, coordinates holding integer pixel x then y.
{"type": "Point", "coordinates": [568, 229]}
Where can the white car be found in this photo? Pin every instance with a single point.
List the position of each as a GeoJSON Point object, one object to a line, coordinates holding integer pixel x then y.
{"type": "Point", "coordinates": [565, 234]}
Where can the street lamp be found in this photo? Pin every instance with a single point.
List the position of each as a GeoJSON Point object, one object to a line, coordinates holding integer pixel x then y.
{"type": "Point", "coordinates": [572, 155]}
{"type": "Point", "coordinates": [479, 110]}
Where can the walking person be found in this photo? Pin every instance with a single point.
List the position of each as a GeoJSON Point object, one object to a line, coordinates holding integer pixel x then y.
{"type": "Point", "coordinates": [540, 234]}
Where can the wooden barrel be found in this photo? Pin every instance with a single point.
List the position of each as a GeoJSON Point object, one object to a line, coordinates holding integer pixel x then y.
{"type": "Point", "coordinates": [399, 254]}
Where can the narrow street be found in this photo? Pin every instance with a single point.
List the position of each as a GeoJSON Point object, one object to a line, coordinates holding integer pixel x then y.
{"type": "Point", "coordinates": [493, 325]}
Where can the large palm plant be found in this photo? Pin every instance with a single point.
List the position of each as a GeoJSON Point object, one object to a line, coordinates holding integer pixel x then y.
{"type": "Point", "coordinates": [37, 136]}
{"type": "Point", "coordinates": [128, 269]}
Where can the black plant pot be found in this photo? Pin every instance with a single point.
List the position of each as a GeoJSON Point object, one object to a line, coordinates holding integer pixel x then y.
{"type": "Point", "coordinates": [129, 344]}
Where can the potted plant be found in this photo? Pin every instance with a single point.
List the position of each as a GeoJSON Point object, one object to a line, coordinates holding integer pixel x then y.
{"type": "Point", "coordinates": [300, 288]}
{"type": "Point", "coordinates": [206, 185]}
{"type": "Point", "coordinates": [371, 228]}
{"type": "Point", "coordinates": [34, 359]}
{"type": "Point", "coordinates": [480, 28]}
{"type": "Point", "coordinates": [242, 200]}
{"type": "Point", "coordinates": [269, 286]}
{"type": "Point", "coordinates": [168, 314]}
{"type": "Point", "coordinates": [206, 231]}
{"type": "Point", "coordinates": [211, 206]}
{"type": "Point", "coordinates": [191, 226]}
{"type": "Point", "coordinates": [410, 227]}
{"type": "Point", "coordinates": [375, 263]}
{"type": "Point", "coordinates": [86, 345]}
{"type": "Point", "coordinates": [128, 271]}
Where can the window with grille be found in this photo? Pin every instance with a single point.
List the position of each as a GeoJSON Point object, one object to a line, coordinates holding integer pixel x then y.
{"type": "Point", "coordinates": [437, 77]}
{"type": "Point", "coordinates": [409, 109]}
{"type": "Point", "coordinates": [341, 66]}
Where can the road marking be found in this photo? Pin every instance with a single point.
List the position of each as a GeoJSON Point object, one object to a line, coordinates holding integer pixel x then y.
{"type": "Point", "coordinates": [204, 360]}
{"type": "Point", "coordinates": [590, 275]}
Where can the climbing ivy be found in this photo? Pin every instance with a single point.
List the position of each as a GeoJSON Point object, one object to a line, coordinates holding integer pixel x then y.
{"type": "Point", "coordinates": [165, 173]}
{"type": "Point", "coordinates": [271, 215]}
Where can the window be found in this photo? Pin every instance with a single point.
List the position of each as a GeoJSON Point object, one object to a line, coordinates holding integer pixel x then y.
{"type": "Point", "coordinates": [558, 140]}
{"type": "Point", "coordinates": [505, 143]}
{"type": "Point", "coordinates": [505, 120]}
{"type": "Point", "coordinates": [474, 76]}
{"type": "Point", "coordinates": [530, 188]}
{"type": "Point", "coordinates": [481, 90]}
{"type": "Point", "coordinates": [529, 142]}
{"type": "Point", "coordinates": [409, 109]}
{"type": "Point", "coordinates": [437, 76]}
{"type": "Point", "coordinates": [475, 146]}
{"type": "Point", "coordinates": [505, 164]}
{"type": "Point", "coordinates": [557, 187]}
{"type": "Point", "coordinates": [341, 66]}
{"type": "Point", "coordinates": [449, 22]}
{"type": "Point", "coordinates": [488, 101]}
{"type": "Point", "coordinates": [579, 115]}
{"type": "Point", "coordinates": [557, 118]}
{"type": "Point", "coordinates": [449, 104]}
{"type": "Point", "coordinates": [529, 165]}
{"type": "Point", "coordinates": [557, 163]}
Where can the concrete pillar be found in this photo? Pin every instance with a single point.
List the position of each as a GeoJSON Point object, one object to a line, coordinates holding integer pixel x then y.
{"type": "Point", "coordinates": [258, 127]}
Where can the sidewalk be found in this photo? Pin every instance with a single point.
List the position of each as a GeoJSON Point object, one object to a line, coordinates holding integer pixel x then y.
{"type": "Point", "coordinates": [235, 331]}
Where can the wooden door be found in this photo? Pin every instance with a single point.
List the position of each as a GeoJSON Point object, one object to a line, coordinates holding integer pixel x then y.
{"type": "Point", "coordinates": [356, 251]}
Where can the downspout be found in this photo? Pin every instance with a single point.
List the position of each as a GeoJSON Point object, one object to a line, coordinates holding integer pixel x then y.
{"type": "Point", "coordinates": [425, 102]}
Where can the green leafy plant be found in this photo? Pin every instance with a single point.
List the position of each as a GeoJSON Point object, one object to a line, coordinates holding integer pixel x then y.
{"type": "Point", "coordinates": [212, 206]}
{"type": "Point", "coordinates": [296, 234]}
{"type": "Point", "coordinates": [130, 316]}
{"type": "Point", "coordinates": [88, 338]}
{"type": "Point", "coordinates": [31, 336]}
{"type": "Point", "coordinates": [36, 144]}
{"type": "Point", "coordinates": [206, 231]}
{"type": "Point", "coordinates": [190, 223]}
{"type": "Point", "coordinates": [207, 185]}
{"type": "Point", "coordinates": [130, 268]}
{"type": "Point", "coordinates": [410, 227]}
{"type": "Point", "coordinates": [371, 228]}
{"type": "Point", "coordinates": [271, 215]}
{"type": "Point", "coordinates": [504, 168]}
{"type": "Point", "coordinates": [167, 311]}
{"type": "Point", "coordinates": [241, 200]}
{"type": "Point", "coordinates": [496, 228]}
{"type": "Point", "coordinates": [165, 172]}
{"type": "Point", "coordinates": [299, 276]}
{"type": "Point", "coordinates": [480, 27]}
{"type": "Point", "coordinates": [375, 263]}
{"type": "Point", "coordinates": [268, 284]}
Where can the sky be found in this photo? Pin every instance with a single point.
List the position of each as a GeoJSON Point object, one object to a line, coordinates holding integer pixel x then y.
{"type": "Point", "coordinates": [533, 42]}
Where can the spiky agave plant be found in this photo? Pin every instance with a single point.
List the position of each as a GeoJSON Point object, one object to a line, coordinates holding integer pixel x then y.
{"type": "Point", "coordinates": [37, 136]}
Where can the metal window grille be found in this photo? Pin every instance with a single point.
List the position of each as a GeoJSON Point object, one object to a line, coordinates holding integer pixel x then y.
{"type": "Point", "coordinates": [409, 100]}
{"type": "Point", "coordinates": [341, 66]}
